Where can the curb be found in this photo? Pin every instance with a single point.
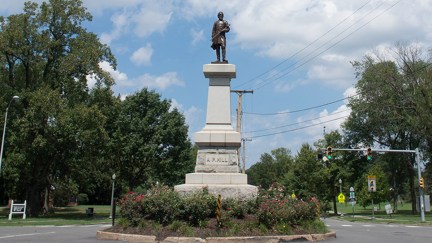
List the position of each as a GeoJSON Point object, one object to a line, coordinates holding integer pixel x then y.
{"type": "Point", "coordinates": [102, 235]}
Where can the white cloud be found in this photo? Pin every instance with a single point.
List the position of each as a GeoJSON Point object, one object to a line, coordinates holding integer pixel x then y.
{"type": "Point", "coordinates": [120, 22]}
{"type": "Point", "coordinates": [142, 18]}
{"type": "Point", "coordinates": [119, 77]}
{"type": "Point", "coordinates": [197, 36]}
{"type": "Point", "coordinates": [161, 82]}
{"type": "Point", "coordinates": [142, 56]}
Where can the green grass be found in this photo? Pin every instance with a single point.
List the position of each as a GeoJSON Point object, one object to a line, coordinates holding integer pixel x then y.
{"type": "Point", "coordinates": [60, 216]}
{"type": "Point", "coordinates": [403, 216]}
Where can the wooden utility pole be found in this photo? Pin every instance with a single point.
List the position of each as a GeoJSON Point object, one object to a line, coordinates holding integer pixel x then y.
{"type": "Point", "coordinates": [239, 121]}
{"type": "Point", "coordinates": [239, 106]}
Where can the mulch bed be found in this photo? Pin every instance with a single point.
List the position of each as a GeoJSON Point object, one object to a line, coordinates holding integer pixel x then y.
{"type": "Point", "coordinates": [243, 227]}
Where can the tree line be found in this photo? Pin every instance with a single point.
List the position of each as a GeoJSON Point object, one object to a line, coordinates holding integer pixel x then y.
{"type": "Point", "coordinates": [64, 137]}
{"type": "Point", "coordinates": [392, 109]}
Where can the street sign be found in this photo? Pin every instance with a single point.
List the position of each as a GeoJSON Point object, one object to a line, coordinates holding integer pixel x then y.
{"type": "Point", "coordinates": [341, 198]}
{"type": "Point", "coordinates": [18, 209]}
{"type": "Point", "coordinates": [371, 183]}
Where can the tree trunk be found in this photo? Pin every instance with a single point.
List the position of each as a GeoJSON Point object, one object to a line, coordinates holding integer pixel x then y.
{"type": "Point", "coordinates": [34, 201]}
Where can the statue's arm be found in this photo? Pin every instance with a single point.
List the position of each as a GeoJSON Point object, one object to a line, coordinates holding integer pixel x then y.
{"type": "Point", "coordinates": [227, 27]}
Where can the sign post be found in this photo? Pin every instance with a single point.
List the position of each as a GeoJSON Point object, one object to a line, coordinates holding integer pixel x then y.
{"type": "Point", "coordinates": [352, 198]}
{"type": "Point", "coordinates": [18, 209]}
{"type": "Point", "coordinates": [372, 188]}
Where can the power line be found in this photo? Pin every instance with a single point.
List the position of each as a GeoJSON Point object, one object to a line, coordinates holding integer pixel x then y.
{"type": "Point", "coordinates": [295, 129]}
{"type": "Point", "coordinates": [307, 46]}
{"type": "Point", "coordinates": [270, 80]}
{"type": "Point", "coordinates": [297, 123]}
{"type": "Point", "coordinates": [296, 111]}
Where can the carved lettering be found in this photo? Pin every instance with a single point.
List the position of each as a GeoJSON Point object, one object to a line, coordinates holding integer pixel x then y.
{"type": "Point", "coordinates": [217, 159]}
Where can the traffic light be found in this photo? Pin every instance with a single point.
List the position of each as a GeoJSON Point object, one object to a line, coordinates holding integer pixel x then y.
{"type": "Point", "coordinates": [329, 153]}
{"type": "Point", "coordinates": [421, 182]}
{"type": "Point", "coordinates": [320, 155]}
{"type": "Point", "coordinates": [369, 154]}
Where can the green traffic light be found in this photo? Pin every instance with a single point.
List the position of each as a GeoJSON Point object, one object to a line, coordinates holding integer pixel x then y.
{"type": "Point", "coordinates": [329, 157]}
{"type": "Point", "coordinates": [369, 157]}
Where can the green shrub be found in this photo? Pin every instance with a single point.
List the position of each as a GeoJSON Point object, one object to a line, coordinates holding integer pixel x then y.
{"type": "Point", "coordinates": [162, 205]}
{"type": "Point", "coordinates": [198, 207]}
{"type": "Point", "coordinates": [273, 210]}
{"type": "Point", "coordinates": [290, 211]}
{"type": "Point", "coordinates": [131, 208]}
{"type": "Point", "coordinates": [82, 199]}
{"type": "Point", "coordinates": [236, 208]}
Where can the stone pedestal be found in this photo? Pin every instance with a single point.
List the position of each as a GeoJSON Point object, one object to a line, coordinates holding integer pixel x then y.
{"type": "Point", "coordinates": [217, 166]}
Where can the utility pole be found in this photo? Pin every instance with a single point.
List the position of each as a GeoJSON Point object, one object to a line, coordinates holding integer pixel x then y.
{"type": "Point", "coordinates": [239, 120]}
{"type": "Point", "coordinates": [239, 106]}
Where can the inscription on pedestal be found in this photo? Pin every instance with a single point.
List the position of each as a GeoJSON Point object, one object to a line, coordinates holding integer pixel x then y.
{"type": "Point", "coordinates": [217, 159]}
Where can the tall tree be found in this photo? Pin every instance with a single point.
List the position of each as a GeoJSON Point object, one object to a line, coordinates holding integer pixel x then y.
{"type": "Point", "coordinates": [271, 168]}
{"type": "Point", "coordinates": [150, 140]}
{"type": "Point", "coordinates": [46, 57]}
{"type": "Point", "coordinates": [392, 106]}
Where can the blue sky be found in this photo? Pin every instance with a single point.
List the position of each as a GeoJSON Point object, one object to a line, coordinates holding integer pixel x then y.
{"type": "Point", "coordinates": [294, 55]}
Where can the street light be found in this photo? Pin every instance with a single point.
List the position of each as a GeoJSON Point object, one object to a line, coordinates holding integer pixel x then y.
{"type": "Point", "coordinates": [112, 196]}
{"type": "Point", "coordinates": [4, 129]}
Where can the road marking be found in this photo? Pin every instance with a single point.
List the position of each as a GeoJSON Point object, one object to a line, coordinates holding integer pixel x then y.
{"type": "Point", "coordinates": [412, 226]}
{"type": "Point", "coordinates": [12, 236]}
{"type": "Point", "coordinates": [368, 225]}
{"type": "Point", "coordinates": [346, 225]}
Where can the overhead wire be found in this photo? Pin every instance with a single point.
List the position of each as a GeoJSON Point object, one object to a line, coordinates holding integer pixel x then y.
{"type": "Point", "coordinates": [297, 123]}
{"type": "Point", "coordinates": [295, 129]}
{"type": "Point", "coordinates": [299, 110]}
{"type": "Point", "coordinates": [264, 83]}
{"type": "Point", "coordinates": [274, 78]}
{"type": "Point", "coordinates": [307, 46]}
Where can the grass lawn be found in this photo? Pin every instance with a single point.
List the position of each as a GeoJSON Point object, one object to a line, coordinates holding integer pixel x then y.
{"type": "Point", "coordinates": [403, 216]}
{"type": "Point", "coordinates": [77, 216]}
{"type": "Point", "coordinates": [61, 216]}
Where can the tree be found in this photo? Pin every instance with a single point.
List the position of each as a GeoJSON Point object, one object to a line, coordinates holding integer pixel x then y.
{"type": "Point", "coordinates": [46, 57]}
{"type": "Point", "coordinates": [392, 105]}
{"type": "Point", "coordinates": [305, 176]}
{"type": "Point", "coordinates": [271, 168]}
{"type": "Point", "coordinates": [150, 141]}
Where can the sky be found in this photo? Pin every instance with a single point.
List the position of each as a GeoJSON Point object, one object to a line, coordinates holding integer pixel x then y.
{"type": "Point", "coordinates": [295, 55]}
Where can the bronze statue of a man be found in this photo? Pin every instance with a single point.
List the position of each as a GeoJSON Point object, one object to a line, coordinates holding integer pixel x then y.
{"type": "Point", "coordinates": [220, 27]}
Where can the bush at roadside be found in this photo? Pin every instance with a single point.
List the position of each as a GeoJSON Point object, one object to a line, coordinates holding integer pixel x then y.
{"type": "Point", "coordinates": [163, 205]}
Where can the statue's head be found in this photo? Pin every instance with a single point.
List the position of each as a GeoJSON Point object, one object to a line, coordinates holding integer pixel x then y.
{"type": "Point", "coordinates": [220, 15]}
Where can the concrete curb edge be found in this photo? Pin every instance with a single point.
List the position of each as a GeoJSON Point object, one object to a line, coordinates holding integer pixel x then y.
{"type": "Point", "coordinates": [103, 235]}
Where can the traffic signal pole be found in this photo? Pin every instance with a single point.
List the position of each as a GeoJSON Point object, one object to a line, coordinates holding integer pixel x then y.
{"type": "Point", "coordinates": [417, 160]}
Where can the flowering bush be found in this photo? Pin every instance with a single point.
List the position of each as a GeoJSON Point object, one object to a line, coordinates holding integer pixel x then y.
{"type": "Point", "coordinates": [290, 211]}
{"type": "Point", "coordinates": [162, 205]}
{"type": "Point", "coordinates": [198, 207]}
{"type": "Point", "coordinates": [131, 207]}
{"type": "Point", "coordinates": [273, 208]}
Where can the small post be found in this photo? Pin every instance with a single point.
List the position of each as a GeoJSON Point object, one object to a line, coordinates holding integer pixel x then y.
{"type": "Point", "coordinates": [113, 214]}
{"type": "Point", "coordinates": [218, 213]}
{"type": "Point", "coordinates": [112, 195]}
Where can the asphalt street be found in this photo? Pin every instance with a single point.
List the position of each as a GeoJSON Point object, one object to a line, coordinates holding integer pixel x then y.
{"type": "Point", "coordinates": [364, 232]}
{"type": "Point", "coordinates": [44, 234]}
{"type": "Point", "coordinates": [353, 232]}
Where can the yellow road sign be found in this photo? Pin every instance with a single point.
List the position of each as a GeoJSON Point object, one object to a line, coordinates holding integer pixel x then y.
{"type": "Point", "coordinates": [341, 198]}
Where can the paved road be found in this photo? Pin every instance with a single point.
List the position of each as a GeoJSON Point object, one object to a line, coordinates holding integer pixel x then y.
{"type": "Point", "coordinates": [364, 232]}
{"type": "Point", "coordinates": [352, 232]}
{"type": "Point", "coordinates": [43, 234]}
